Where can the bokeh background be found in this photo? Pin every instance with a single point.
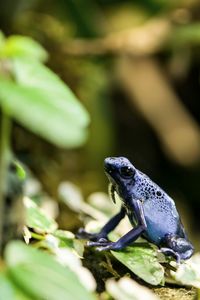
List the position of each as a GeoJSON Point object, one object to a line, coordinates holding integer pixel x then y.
{"type": "Point", "coordinates": [135, 66]}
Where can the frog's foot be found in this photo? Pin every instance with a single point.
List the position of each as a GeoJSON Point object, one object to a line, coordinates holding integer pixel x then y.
{"type": "Point", "coordinates": [177, 247]}
{"type": "Point", "coordinates": [170, 252]}
{"type": "Point", "coordinates": [83, 234]}
{"type": "Point", "coordinates": [103, 245]}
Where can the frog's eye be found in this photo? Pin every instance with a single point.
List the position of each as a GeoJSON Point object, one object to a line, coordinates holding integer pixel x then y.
{"type": "Point", "coordinates": [127, 172]}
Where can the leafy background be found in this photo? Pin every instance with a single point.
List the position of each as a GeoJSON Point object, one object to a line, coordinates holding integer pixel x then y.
{"type": "Point", "coordinates": [82, 80]}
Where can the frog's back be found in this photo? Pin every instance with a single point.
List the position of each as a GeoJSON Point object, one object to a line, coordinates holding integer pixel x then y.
{"type": "Point", "coordinates": [162, 218]}
{"type": "Point", "coordinates": [160, 211]}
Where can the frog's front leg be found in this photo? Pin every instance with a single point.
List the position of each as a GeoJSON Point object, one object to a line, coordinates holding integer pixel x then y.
{"type": "Point", "coordinates": [177, 247]}
{"type": "Point", "coordinates": [107, 228]}
{"type": "Point", "coordinates": [128, 238]}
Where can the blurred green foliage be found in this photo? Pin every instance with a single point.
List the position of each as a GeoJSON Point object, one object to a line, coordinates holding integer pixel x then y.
{"type": "Point", "coordinates": [38, 276]}
{"type": "Point", "coordinates": [50, 267]}
{"type": "Point", "coordinates": [36, 97]}
{"type": "Point", "coordinates": [82, 38]}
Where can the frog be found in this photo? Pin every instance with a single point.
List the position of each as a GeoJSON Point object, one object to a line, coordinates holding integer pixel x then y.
{"type": "Point", "coordinates": [150, 210]}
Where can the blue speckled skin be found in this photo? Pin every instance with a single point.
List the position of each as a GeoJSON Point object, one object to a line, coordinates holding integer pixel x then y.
{"type": "Point", "coordinates": [150, 210]}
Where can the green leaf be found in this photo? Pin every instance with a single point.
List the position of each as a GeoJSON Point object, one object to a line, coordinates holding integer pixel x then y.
{"type": "Point", "coordinates": [142, 261]}
{"type": "Point", "coordinates": [188, 273]}
{"type": "Point", "coordinates": [32, 74]}
{"type": "Point", "coordinates": [55, 118]}
{"type": "Point", "coordinates": [37, 219]}
{"type": "Point", "coordinates": [67, 239]}
{"type": "Point", "coordinates": [22, 46]}
{"type": "Point", "coordinates": [19, 170]}
{"type": "Point", "coordinates": [6, 290]}
{"type": "Point", "coordinates": [9, 291]}
{"type": "Point", "coordinates": [41, 276]}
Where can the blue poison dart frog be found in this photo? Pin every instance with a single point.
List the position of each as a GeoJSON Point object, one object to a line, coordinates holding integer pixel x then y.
{"type": "Point", "coordinates": [151, 211]}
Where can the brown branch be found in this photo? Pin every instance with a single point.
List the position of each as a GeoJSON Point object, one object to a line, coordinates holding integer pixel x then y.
{"type": "Point", "coordinates": [144, 40]}
{"type": "Point", "coordinates": [150, 92]}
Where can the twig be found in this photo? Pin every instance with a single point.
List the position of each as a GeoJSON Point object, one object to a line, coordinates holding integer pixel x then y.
{"type": "Point", "coordinates": [144, 40]}
{"type": "Point", "coordinates": [150, 92]}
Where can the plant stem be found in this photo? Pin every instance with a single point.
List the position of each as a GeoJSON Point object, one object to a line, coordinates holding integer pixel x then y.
{"type": "Point", "coordinates": [37, 236]}
{"type": "Point", "coordinates": [4, 164]}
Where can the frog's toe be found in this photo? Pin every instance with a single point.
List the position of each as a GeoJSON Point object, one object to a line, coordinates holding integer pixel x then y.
{"type": "Point", "coordinates": [170, 252]}
{"type": "Point", "coordinates": [187, 254]}
{"type": "Point", "coordinates": [109, 246]}
{"type": "Point", "coordinates": [83, 234]}
{"type": "Point", "coordinates": [101, 242]}
{"type": "Point", "coordinates": [178, 247]}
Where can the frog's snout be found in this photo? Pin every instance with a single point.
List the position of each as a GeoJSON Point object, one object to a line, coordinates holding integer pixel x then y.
{"type": "Point", "coordinates": [109, 160]}
{"type": "Point", "coordinates": [112, 164]}
{"type": "Point", "coordinates": [109, 165]}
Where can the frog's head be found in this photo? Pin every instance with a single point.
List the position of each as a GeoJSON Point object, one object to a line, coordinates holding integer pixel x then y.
{"type": "Point", "coordinates": [120, 173]}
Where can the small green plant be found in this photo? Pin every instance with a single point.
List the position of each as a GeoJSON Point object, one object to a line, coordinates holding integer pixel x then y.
{"type": "Point", "coordinates": [50, 266]}
{"type": "Point", "coordinates": [36, 98]}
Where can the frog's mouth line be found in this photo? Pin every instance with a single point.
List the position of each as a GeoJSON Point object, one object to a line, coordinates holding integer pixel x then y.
{"type": "Point", "coordinates": [111, 191]}
{"type": "Point", "coordinates": [109, 169]}
{"type": "Point", "coordinates": [109, 174]}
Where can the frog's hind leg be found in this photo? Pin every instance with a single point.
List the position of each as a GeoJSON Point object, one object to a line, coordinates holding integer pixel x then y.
{"type": "Point", "coordinates": [177, 247]}
{"type": "Point", "coordinates": [107, 228]}
{"type": "Point", "coordinates": [170, 252]}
